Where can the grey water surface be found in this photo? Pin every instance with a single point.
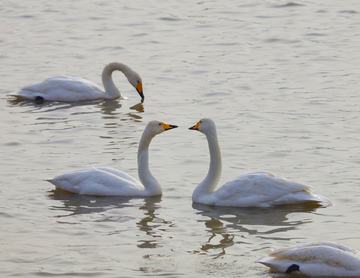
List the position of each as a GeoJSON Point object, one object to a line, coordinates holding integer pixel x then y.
{"type": "Point", "coordinates": [279, 78]}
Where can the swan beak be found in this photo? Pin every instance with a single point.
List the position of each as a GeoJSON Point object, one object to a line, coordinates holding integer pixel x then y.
{"type": "Point", "coordinates": [195, 127]}
{"type": "Point", "coordinates": [140, 90]}
{"type": "Point", "coordinates": [167, 127]}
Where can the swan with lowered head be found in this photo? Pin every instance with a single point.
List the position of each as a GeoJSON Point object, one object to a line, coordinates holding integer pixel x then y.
{"type": "Point", "coordinates": [72, 89]}
{"type": "Point", "coordinates": [104, 181]}
{"type": "Point", "coordinates": [315, 259]}
{"type": "Point", "coordinates": [257, 189]}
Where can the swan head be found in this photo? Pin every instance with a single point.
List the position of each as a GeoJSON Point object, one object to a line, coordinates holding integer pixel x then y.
{"type": "Point", "coordinates": [205, 125]}
{"type": "Point", "coordinates": [157, 127]}
{"type": "Point", "coordinates": [135, 80]}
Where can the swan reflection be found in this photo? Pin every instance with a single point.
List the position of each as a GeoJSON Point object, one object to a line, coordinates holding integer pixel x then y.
{"type": "Point", "coordinates": [76, 204]}
{"type": "Point", "coordinates": [149, 224]}
{"type": "Point", "coordinates": [224, 223]}
{"type": "Point", "coordinates": [217, 230]}
{"type": "Point", "coordinates": [107, 107]}
{"type": "Point", "coordinates": [138, 107]}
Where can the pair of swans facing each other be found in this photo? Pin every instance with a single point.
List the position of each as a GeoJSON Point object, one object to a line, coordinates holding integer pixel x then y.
{"type": "Point", "coordinates": [258, 189]}
{"type": "Point", "coordinates": [73, 89]}
{"type": "Point", "coordinates": [315, 259]}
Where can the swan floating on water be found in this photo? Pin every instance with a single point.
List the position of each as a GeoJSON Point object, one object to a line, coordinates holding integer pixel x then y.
{"type": "Point", "coordinates": [72, 89]}
{"type": "Point", "coordinates": [257, 189]}
{"type": "Point", "coordinates": [315, 259]}
{"type": "Point", "coordinates": [104, 181]}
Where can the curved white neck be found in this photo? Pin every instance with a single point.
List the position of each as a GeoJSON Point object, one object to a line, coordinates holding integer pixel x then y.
{"type": "Point", "coordinates": [145, 176]}
{"type": "Point", "coordinates": [208, 185]}
{"type": "Point", "coordinates": [111, 91]}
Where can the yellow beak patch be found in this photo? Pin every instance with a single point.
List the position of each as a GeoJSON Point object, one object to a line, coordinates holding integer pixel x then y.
{"type": "Point", "coordinates": [139, 87]}
{"type": "Point", "coordinates": [166, 126]}
{"type": "Point", "coordinates": [195, 127]}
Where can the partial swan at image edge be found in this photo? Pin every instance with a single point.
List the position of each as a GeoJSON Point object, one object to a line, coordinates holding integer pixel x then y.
{"type": "Point", "coordinates": [315, 259]}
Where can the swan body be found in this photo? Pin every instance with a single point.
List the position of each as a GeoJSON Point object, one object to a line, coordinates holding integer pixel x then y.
{"type": "Point", "coordinates": [73, 89]}
{"type": "Point", "coordinates": [315, 259]}
{"type": "Point", "coordinates": [257, 189]}
{"type": "Point", "coordinates": [105, 181]}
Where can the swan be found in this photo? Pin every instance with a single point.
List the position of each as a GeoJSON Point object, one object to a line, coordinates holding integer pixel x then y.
{"type": "Point", "coordinates": [257, 189]}
{"type": "Point", "coordinates": [72, 89]}
{"type": "Point", "coordinates": [105, 181]}
{"type": "Point", "coordinates": [315, 259]}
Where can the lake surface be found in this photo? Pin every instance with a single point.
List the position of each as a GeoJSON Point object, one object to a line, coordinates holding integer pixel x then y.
{"type": "Point", "coordinates": [279, 78]}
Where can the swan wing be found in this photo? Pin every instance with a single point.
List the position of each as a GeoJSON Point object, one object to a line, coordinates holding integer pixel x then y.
{"type": "Point", "coordinates": [99, 182]}
{"type": "Point", "coordinates": [118, 173]}
{"type": "Point", "coordinates": [263, 189]}
{"type": "Point", "coordinates": [315, 259]}
{"type": "Point", "coordinates": [61, 88]}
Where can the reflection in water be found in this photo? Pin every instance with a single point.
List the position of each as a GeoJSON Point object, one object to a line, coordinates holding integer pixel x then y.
{"type": "Point", "coordinates": [107, 107]}
{"type": "Point", "coordinates": [217, 229]}
{"type": "Point", "coordinates": [223, 221]}
{"type": "Point", "coordinates": [75, 204]}
{"type": "Point", "coordinates": [138, 107]}
{"type": "Point", "coordinates": [149, 225]}
{"type": "Point", "coordinates": [48, 106]}
{"type": "Point", "coordinates": [39, 107]}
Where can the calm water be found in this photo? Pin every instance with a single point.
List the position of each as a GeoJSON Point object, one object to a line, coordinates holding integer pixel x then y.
{"type": "Point", "coordinates": [279, 78]}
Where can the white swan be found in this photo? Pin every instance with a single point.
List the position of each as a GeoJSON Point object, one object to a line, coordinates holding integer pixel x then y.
{"type": "Point", "coordinates": [110, 182]}
{"type": "Point", "coordinates": [315, 259]}
{"type": "Point", "coordinates": [258, 189]}
{"type": "Point", "coordinates": [72, 89]}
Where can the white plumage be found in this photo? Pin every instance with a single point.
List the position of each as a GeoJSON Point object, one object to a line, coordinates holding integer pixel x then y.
{"type": "Point", "coordinates": [111, 182]}
{"type": "Point", "coordinates": [257, 189]}
{"type": "Point", "coordinates": [315, 259]}
{"type": "Point", "coordinates": [73, 89]}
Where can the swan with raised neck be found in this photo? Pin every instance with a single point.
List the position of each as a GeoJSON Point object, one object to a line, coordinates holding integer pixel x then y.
{"type": "Point", "coordinates": [257, 189]}
{"type": "Point", "coordinates": [103, 181]}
